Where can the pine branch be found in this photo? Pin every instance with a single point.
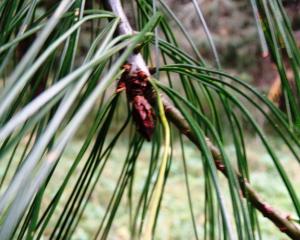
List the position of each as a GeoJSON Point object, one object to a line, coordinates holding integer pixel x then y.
{"type": "Point", "coordinates": [279, 219]}
{"type": "Point", "coordinates": [138, 64]}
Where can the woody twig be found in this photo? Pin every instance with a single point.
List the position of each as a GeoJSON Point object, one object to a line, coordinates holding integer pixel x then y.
{"type": "Point", "coordinates": [137, 65]}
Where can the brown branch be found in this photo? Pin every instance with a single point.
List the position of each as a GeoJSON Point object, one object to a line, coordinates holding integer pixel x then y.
{"type": "Point", "coordinates": [138, 64]}
{"type": "Point", "coordinates": [281, 221]}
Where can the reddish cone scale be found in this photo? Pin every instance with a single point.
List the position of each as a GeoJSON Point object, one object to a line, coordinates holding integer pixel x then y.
{"type": "Point", "coordinates": [143, 115]}
{"type": "Point", "coordinates": [138, 90]}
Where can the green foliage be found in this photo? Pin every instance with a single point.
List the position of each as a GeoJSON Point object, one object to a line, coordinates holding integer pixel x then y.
{"type": "Point", "coordinates": [53, 78]}
{"type": "Point", "coordinates": [281, 42]}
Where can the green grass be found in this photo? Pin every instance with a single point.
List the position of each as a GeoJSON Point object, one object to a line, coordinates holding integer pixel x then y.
{"type": "Point", "coordinates": [174, 221]}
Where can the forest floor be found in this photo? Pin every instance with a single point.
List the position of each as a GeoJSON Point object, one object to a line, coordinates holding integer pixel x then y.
{"type": "Point", "coordinates": [174, 219]}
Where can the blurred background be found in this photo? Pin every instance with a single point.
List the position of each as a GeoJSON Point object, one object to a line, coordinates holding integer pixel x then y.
{"type": "Point", "coordinates": [234, 31]}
